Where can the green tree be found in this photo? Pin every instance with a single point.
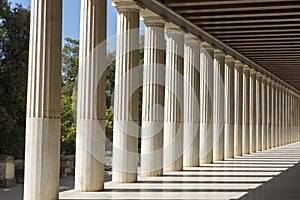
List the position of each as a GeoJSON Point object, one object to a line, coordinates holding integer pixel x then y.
{"type": "Point", "coordinates": [14, 45]}
{"type": "Point", "coordinates": [70, 62]}
{"type": "Point", "coordinates": [110, 77]}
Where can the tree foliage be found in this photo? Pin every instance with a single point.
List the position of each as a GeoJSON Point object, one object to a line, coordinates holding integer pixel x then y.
{"type": "Point", "coordinates": [14, 45]}
{"type": "Point", "coordinates": [70, 62]}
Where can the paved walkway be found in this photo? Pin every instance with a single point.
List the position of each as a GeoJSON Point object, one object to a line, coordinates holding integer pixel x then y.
{"type": "Point", "coordinates": [267, 175]}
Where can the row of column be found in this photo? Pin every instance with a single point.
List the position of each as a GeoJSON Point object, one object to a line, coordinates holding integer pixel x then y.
{"type": "Point", "coordinates": [199, 105]}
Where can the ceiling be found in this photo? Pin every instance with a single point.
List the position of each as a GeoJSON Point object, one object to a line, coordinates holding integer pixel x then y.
{"type": "Point", "coordinates": [265, 31]}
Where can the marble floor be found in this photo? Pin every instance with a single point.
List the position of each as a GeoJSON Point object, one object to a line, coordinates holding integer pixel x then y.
{"type": "Point", "coordinates": [266, 175]}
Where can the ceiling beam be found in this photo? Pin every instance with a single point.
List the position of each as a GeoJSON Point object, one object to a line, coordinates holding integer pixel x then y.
{"type": "Point", "coordinates": [240, 21]}
{"type": "Point", "coordinates": [253, 26]}
{"type": "Point", "coordinates": [171, 16]}
{"type": "Point", "coordinates": [258, 31]}
{"type": "Point", "coordinates": [180, 3]}
{"type": "Point", "coordinates": [259, 7]}
{"type": "Point", "coordinates": [262, 39]}
{"type": "Point", "coordinates": [194, 16]}
{"type": "Point", "coordinates": [261, 36]}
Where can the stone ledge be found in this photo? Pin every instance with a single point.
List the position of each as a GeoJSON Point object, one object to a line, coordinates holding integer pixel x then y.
{"type": "Point", "coordinates": [8, 183]}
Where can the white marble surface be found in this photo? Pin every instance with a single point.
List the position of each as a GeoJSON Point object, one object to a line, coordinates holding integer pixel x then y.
{"type": "Point", "coordinates": [230, 179]}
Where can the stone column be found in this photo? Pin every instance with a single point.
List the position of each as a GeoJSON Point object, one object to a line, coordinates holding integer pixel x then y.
{"type": "Point", "coordinates": [153, 97]}
{"type": "Point", "coordinates": [173, 126]}
{"type": "Point", "coordinates": [246, 114]}
{"type": "Point", "coordinates": [206, 107]}
{"type": "Point", "coordinates": [229, 107]}
{"type": "Point", "coordinates": [218, 106]}
{"type": "Point", "coordinates": [276, 134]}
{"type": "Point", "coordinates": [191, 101]}
{"type": "Point", "coordinates": [289, 116]}
{"type": "Point", "coordinates": [297, 117]}
{"type": "Point", "coordinates": [284, 117]}
{"type": "Point", "coordinates": [238, 108]}
{"type": "Point", "coordinates": [252, 111]}
{"type": "Point", "coordinates": [91, 103]}
{"type": "Point", "coordinates": [126, 99]}
{"type": "Point", "coordinates": [269, 112]}
{"type": "Point", "coordinates": [272, 115]}
{"type": "Point", "coordinates": [258, 112]}
{"type": "Point", "coordinates": [264, 113]}
{"type": "Point", "coordinates": [279, 116]}
{"type": "Point", "coordinates": [292, 116]}
{"type": "Point", "coordinates": [42, 146]}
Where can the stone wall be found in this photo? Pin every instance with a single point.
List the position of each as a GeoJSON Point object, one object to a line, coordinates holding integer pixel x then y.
{"type": "Point", "coordinates": [12, 171]}
{"type": "Point", "coordinates": [7, 171]}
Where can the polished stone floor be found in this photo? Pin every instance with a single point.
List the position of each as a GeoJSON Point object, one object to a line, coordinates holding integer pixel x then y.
{"type": "Point", "coordinates": [267, 175]}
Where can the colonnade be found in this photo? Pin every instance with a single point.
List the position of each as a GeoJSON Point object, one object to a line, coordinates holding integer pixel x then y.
{"type": "Point", "coordinates": [199, 104]}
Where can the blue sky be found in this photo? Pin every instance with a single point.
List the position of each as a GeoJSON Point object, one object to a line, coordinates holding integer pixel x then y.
{"type": "Point", "coordinates": [71, 17]}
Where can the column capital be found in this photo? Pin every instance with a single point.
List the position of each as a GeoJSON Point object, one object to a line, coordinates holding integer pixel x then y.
{"type": "Point", "coordinates": [259, 76]}
{"type": "Point", "coordinates": [269, 80]}
{"type": "Point", "coordinates": [190, 38]}
{"type": "Point", "coordinates": [238, 63]}
{"type": "Point", "coordinates": [151, 19]}
{"type": "Point", "coordinates": [274, 83]}
{"type": "Point", "coordinates": [172, 28]}
{"type": "Point", "coordinates": [253, 72]}
{"type": "Point", "coordinates": [246, 68]}
{"type": "Point", "coordinates": [230, 61]}
{"type": "Point", "coordinates": [218, 53]}
{"type": "Point", "coordinates": [125, 5]}
{"type": "Point", "coordinates": [264, 79]}
{"type": "Point", "coordinates": [207, 46]}
{"type": "Point", "coordinates": [229, 58]}
{"type": "Point", "coordinates": [278, 85]}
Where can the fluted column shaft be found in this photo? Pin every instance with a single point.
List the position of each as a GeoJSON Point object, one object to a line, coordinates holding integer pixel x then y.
{"type": "Point", "coordinates": [269, 112]}
{"type": "Point", "coordinates": [259, 112]}
{"type": "Point", "coordinates": [153, 98]}
{"type": "Point", "coordinates": [173, 125]}
{"type": "Point", "coordinates": [90, 136]}
{"type": "Point", "coordinates": [280, 143]}
{"type": "Point", "coordinates": [218, 106]}
{"type": "Point", "coordinates": [285, 116]}
{"type": "Point", "coordinates": [252, 111]}
{"type": "Point", "coordinates": [272, 97]}
{"type": "Point", "coordinates": [191, 102]}
{"type": "Point", "coordinates": [292, 116]}
{"type": "Point", "coordinates": [273, 112]}
{"type": "Point", "coordinates": [125, 138]}
{"type": "Point", "coordinates": [229, 108]}
{"type": "Point", "coordinates": [238, 108]}
{"type": "Point", "coordinates": [297, 118]}
{"type": "Point", "coordinates": [264, 95]}
{"type": "Point", "coordinates": [276, 115]}
{"type": "Point", "coordinates": [42, 146]}
{"type": "Point", "coordinates": [289, 117]}
{"type": "Point", "coordinates": [246, 114]}
{"type": "Point", "coordinates": [206, 107]}
{"type": "Point", "coordinates": [282, 116]}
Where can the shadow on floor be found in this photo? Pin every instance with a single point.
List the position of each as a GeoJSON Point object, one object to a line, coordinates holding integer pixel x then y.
{"type": "Point", "coordinates": [285, 186]}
